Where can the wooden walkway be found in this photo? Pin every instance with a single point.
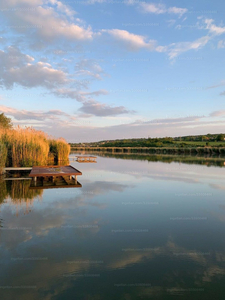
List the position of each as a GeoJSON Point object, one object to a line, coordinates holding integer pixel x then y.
{"type": "Point", "coordinates": [86, 159]}
{"type": "Point", "coordinates": [18, 169]}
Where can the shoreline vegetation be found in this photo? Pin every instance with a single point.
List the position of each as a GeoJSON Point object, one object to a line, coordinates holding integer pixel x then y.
{"type": "Point", "coordinates": [193, 150]}
{"type": "Point", "coordinates": [28, 147]}
{"type": "Point", "coordinates": [212, 144]}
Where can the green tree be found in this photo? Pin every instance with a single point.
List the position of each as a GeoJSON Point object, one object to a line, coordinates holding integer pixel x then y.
{"type": "Point", "coordinates": [220, 137]}
{"type": "Point", "coordinates": [204, 137]}
{"type": "Point", "coordinates": [5, 122]}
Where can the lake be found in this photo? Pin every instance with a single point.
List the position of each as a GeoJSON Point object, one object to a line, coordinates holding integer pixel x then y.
{"type": "Point", "coordinates": [140, 227]}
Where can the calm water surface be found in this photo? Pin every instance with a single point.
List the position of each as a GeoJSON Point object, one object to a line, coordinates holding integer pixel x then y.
{"type": "Point", "coordinates": [136, 229]}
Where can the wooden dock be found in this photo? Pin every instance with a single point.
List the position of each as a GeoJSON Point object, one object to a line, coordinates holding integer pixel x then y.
{"type": "Point", "coordinates": [54, 172]}
{"type": "Point", "coordinates": [86, 159]}
{"type": "Point", "coordinates": [18, 169]}
{"type": "Point", "coordinates": [43, 177]}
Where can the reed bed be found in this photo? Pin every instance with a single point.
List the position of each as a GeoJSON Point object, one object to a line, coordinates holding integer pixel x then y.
{"type": "Point", "coordinates": [3, 156]}
{"type": "Point", "coordinates": [28, 147]}
{"type": "Point", "coordinates": [60, 149]}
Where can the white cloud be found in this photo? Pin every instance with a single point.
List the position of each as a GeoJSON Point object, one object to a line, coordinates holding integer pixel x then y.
{"type": "Point", "coordinates": [221, 44]}
{"type": "Point", "coordinates": [91, 106]}
{"type": "Point", "coordinates": [177, 10]}
{"type": "Point", "coordinates": [88, 67]}
{"type": "Point", "coordinates": [153, 8]}
{"type": "Point", "coordinates": [132, 42]}
{"type": "Point", "coordinates": [94, 1]}
{"type": "Point", "coordinates": [176, 49]}
{"type": "Point", "coordinates": [19, 68]}
{"type": "Point", "coordinates": [63, 8]}
{"type": "Point", "coordinates": [213, 28]}
{"type": "Point", "coordinates": [171, 22]}
{"type": "Point", "coordinates": [174, 120]}
{"type": "Point", "coordinates": [102, 110]}
{"type": "Point", "coordinates": [161, 9]}
{"type": "Point", "coordinates": [50, 115]}
{"type": "Point", "coordinates": [80, 96]}
{"type": "Point", "coordinates": [217, 113]}
{"type": "Point", "coordinates": [44, 21]}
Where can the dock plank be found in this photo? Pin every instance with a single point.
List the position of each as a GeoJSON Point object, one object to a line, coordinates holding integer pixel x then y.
{"type": "Point", "coordinates": [45, 171]}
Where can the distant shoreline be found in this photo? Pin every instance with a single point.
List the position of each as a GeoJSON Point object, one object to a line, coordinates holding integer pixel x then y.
{"type": "Point", "coordinates": [154, 150]}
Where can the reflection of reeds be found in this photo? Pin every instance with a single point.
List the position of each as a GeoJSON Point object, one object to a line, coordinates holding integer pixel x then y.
{"type": "Point", "coordinates": [3, 190]}
{"type": "Point", "coordinates": [28, 147]}
{"type": "Point", "coordinates": [19, 191]}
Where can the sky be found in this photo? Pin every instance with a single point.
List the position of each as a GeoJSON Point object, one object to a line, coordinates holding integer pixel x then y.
{"type": "Point", "coordinates": [96, 70]}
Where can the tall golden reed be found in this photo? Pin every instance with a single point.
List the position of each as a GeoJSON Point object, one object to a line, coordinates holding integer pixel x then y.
{"type": "Point", "coordinates": [3, 156]}
{"type": "Point", "coordinates": [28, 147]}
{"type": "Point", "coordinates": [60, 149]}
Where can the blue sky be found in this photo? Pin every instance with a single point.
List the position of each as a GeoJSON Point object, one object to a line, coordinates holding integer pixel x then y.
{"type": "Point", "coordinates": [95, 70]}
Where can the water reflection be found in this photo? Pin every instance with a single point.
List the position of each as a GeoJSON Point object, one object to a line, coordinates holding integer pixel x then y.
{"type": "Point", "coordinates": [136, 230]}
{"type": "Point", "coordinates": [19, 194]}
{"type": "Point", "coordinates": [217, 160]}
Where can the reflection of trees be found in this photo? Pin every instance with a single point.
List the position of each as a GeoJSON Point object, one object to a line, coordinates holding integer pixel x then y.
{"type": "Point", "coordinates": [198, 160]}
{"type": "Point", "coordinates": [19, 191]}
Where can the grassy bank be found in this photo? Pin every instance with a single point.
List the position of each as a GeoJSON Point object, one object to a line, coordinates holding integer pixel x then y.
{"type": "Point", "coordinates": [27, 147]}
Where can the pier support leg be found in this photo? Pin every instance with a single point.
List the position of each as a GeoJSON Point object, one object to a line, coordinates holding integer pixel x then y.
{"type": "Point", "coordinates": [75, 179]}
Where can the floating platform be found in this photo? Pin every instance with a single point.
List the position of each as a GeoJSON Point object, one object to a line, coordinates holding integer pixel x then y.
{"type": "Point", "coordinates": [86, 159]}
{"type": "Point", "coordinates": [54, 173]}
